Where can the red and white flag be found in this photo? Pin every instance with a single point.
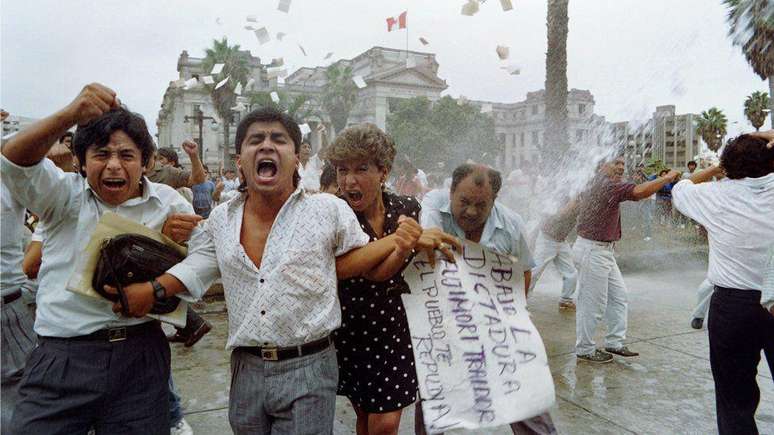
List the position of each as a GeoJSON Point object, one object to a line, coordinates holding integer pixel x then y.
{"type": "Point", "coordinates": [399, 23]}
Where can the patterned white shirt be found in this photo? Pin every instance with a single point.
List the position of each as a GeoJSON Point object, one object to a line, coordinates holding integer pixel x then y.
{"type": "Point", "coordinates": [70, 210]}
{"type": "Point", "coordinates": [291, 299]}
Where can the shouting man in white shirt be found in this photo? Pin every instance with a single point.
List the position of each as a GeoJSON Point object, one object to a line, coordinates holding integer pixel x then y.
{"type": "Point", "coordinates": [92, 368]}
{"type": "Point", "coordinates": [738, 213]}
{"type": "Point", "coordinates": [279, 251]}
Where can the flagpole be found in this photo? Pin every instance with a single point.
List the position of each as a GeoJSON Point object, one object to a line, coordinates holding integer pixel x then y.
{"type": "Point", "coordinates": [407, 37]}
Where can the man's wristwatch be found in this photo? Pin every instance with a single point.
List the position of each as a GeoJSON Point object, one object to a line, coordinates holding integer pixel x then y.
{"type": "Point", "coordinates": [159, 292]}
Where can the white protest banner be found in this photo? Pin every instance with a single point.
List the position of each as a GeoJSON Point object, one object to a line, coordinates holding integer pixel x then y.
{"type": "Point", "coordinates": [480, 361]}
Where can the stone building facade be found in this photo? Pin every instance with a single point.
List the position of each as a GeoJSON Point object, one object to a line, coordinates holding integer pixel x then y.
{"type": "Point", "coordinates": [666, 136]}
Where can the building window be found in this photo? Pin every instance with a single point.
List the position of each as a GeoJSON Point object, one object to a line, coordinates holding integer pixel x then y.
{"type": "Point", "coordinates": [535, 109]}
{"type": "Point", "coordinates": [578, 135]}
{"type": "Point", "coordinates": [535, 138]}
{"type": "Point", "coordinates": [581, 108]}
{"type": "Point", "coordinates": [521, 138]}
{"type": "Point", "coordinates": [502, 138]}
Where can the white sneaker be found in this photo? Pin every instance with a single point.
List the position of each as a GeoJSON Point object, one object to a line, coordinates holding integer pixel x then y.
{"type": "Point", "coordinates": [182, 428]}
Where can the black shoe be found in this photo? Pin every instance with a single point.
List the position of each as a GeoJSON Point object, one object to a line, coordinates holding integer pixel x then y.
{"type": "Point", "coordinates": [622, 351]}
{"type": "Point", "coordinates": [697, 323]}
{"type": "Point", "coordinates": [197, 335]}
{"type": "Point", "coordinates": [177, 337]}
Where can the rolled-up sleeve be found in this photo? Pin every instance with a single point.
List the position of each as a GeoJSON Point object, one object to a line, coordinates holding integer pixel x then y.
{"type": "Point", "coordinates": [200, 268]}
{"type": "Point", "coordinates": [349, 234]}
{"type": "Point", "coordinates": [42, 188]}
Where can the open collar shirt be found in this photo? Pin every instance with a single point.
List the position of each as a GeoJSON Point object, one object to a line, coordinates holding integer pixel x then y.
{"type": "Point", "coordinates": [739, 218]}
{"type": "Point", "coordinates": [291, 298]}
{"type": "Point", "coordinates": [503, 230]}
{"type": "Point", "coordinates": [70, 210]}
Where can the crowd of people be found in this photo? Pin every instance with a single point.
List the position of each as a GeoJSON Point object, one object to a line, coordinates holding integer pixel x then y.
{"type": "Point", "coordinates": [310, 250]}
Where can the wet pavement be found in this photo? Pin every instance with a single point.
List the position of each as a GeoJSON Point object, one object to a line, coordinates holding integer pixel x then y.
{"type": "Point", "coordinates": [667, 389]}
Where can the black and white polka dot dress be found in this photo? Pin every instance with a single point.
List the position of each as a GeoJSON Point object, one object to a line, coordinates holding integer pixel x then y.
{"type": "Point", "coordinates": [376, 363]}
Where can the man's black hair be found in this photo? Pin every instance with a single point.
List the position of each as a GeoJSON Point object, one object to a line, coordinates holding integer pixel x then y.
{"type": "Point", "coordinates": [66, 135]}
{"type": "Point", "coordinates": [328, 176]}
{"type": "Point", "coordinates": [97, 133]}
{"type": "Point", "coordinates": [170, 154]}
{"type": "Point", "coordinates": [747, 156]}
{"type": "Point", "coordinates": [692, 163]}
{"type": "Point", "coordinates": [462, 172]}
{"type": "Point", "coordinates": [268, 114]}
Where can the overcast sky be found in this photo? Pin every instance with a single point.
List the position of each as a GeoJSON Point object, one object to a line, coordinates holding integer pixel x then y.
{"type": "Point", "coordinates": [631, 54]}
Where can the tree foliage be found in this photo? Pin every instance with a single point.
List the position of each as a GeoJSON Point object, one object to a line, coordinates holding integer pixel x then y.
{"type": "Point", "coordinates": [441, 132]}
{"type": "Point", "coordinates": [751, 25]}
{"type": "Point", "coordinates": [339, 95]}
{"type": "Point", "coordinates": [711, 126]}
{"type": "Point", "coordinates": [299, 106]}
{"type": "Point", "coordinates": [754, 107]}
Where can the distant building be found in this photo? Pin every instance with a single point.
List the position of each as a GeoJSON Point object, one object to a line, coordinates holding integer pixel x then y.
{"type": "Point", "coordinates": [13, 124]}
{"type": "Point", "coordinates": [388, 73]}
{"type": "Point", "coordinates": [520, 126]}
{"type": "Point", "coordinates": [666, 136]}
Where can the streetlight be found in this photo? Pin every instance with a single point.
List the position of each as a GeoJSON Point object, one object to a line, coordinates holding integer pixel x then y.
{"type": "Point", "coordinates": [199, 118]}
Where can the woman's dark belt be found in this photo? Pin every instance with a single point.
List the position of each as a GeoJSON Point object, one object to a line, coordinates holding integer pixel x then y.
{"type": "Point", "coordinates": [273, 353]}
{"type": "Point", "coordinates": [113, 334]}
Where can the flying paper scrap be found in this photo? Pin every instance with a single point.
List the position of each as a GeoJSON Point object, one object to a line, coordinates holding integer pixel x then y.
{"type": "Point", "coordinates": [190, 83]}
{"type": "Point", "coordinates": [250, 83]}
{"type": "Point", "coordinates": [305, 129]}
{"type": "Point", "coordinates": [217, 68]}
{"type": "Point", "coordinates": [222, 82]}
{"type": "Point", "coordinates": [280, 35]}
{"type": "Point", "coordinates": [321, 127]}
{"type": "Point", "coordinates": [502, 52]}
{"type": "Point", "coordinates": [513, 70]}
{"type": "Point", "coordinates": [249, 27]}
{"type": "Point", "coordinates": [274, 97]}
{"type": "Point", "coordinates": [328, 56]}
{"type": "Point", "coordinates": [218, 21]}
{"type": "Point", "coordinates": [302, 49]}
{"type": "Point", "coordinates": [284, 6]}
{"type": "Point", "coordinates": [238, 89]}
{"type": "Point", "coordinates": [486, 108]}
{"type": "Point", "coordinates": [470, 8]}
{"type": "Point", "coordinates": [359, 82]}
{"type": "Point", "coordinates": [263, 35]}
{"type": "Point", "coordinates": [252, 18]}
{"type": "Point", "coordinates": [423, 41]}
{"type": "Point", "coordinates": [506, 4]}
{"type": "Point", "coordinates": [208, 80]}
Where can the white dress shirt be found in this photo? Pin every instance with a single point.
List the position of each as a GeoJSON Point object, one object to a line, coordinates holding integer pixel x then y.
{"type": "Point", "coordinates": [739, 218]}
{"type": "Point", "coordinates": [70, 211]}
{"type": "Point", "coordinates": [12, 249]}
{"type": "Point", "coordinates": [291, 299]}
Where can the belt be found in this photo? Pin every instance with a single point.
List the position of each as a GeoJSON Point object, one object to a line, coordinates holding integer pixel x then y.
{"type": "Point", "coordinates": [274, 353]}
{"type": "Point", "coordinates": [598, 242]}
{"type": "Point", "coordinates": [113, 334]}
{"type": "Point", "coordinates": [7, 299]}
{"type": "Point", "coordinates": [753, 295]}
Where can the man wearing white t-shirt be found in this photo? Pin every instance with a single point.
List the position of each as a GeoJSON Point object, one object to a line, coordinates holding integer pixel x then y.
{"type": "Point", "coordinates": [738, 214]}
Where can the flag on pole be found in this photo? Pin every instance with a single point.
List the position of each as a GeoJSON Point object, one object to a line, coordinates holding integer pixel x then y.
{"type": "Point", "coordinates": [400, 22]}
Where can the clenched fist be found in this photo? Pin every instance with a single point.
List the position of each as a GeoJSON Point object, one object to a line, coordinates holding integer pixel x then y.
{"type": "Point", "coordinates": [191, 148]}
{"type": "Point", "coordinates": [179, 226]}
{"type": "Point", "coordinates": [94, 101]}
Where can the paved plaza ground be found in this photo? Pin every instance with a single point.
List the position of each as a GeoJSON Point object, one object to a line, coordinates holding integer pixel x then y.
{"type": "Point", "coordinates": [667, 390]}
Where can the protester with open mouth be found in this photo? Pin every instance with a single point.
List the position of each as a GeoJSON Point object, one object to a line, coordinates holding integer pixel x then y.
{"type": "Point", "coordinates": [279, 251]}
{"type": "Point", "coordinates": [376, 362]}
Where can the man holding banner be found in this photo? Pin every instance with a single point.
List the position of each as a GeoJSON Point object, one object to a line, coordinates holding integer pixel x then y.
{"type": "Point", "coordinates": [470, 212]}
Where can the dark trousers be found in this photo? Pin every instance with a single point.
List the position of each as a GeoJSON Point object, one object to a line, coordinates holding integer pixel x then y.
{"type": "Point", "coordinates": [739, 327]}
{"type": "Point", "coordinates": [121, 387]}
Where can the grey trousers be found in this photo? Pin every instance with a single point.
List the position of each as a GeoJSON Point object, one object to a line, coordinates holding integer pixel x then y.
{"type": "Point", "coordinates": [294, 397]}
{"type": "Point", "coordinates": [18, 340]}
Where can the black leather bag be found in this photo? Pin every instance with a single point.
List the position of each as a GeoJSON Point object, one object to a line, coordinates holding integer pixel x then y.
{"type": "Point", "coordinates": [132, 258]}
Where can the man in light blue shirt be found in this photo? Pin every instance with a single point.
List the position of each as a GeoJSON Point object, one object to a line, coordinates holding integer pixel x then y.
{"type": "Point", "coordinates": [469, 211]}
{"type": "Point", "coordinates": [112, 370]}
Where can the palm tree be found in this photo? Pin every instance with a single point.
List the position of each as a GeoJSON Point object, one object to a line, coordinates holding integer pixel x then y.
{"type": "Point", "coordinates": [751, 25]}
{"type": "Point", "coordinates": [754, 107]}
{"type": "Point", "coordinates": [237, 68]}
{"type": "Point", "coordinates": [556, 135]}
{"type": "Point", "coordinates": [339, 95]}
{"type": "Point", "coordinates": [711, 126]}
